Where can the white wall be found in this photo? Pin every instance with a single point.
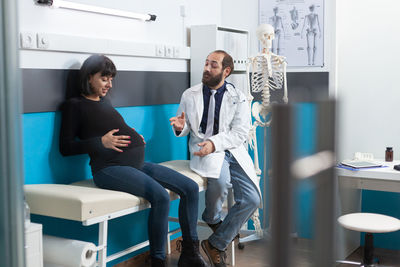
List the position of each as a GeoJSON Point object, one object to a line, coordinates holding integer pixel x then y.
{"type": "Point", "coordinates": [242, 15]}
{"type": "Point", "coordinates": [166, 29]}
{"type": "Point", "coordinates": [368, 76]}
{"type": "Point", "coordinates": [169, 29]}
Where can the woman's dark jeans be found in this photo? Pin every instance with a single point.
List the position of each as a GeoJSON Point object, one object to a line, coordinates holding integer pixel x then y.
{"type": "Point", "coordinates": [150, 182]}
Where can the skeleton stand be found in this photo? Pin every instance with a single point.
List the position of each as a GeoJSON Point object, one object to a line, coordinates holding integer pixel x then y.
{"type": "Point", "coordinates": [268, 73]}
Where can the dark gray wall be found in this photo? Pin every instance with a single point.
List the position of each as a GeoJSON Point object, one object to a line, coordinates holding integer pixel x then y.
{"type": "Point", "coordinates": [45, 89]}
{"type": "Point", "coordinates": [303, 87]}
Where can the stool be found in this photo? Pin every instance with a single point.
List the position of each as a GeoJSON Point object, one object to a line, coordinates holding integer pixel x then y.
{"type": "Point", "coordinates": [369, 223]}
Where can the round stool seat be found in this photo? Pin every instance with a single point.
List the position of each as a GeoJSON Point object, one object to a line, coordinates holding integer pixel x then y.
{"type": "Point", "coordinates": [369, 222]}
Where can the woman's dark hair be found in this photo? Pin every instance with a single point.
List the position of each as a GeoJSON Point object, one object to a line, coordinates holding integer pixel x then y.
{"type": "Point", "coordinates": [91, 66]}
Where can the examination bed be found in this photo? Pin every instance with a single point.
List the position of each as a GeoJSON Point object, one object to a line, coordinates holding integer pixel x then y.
{"type": "Point", "coordinates": [83, 201]}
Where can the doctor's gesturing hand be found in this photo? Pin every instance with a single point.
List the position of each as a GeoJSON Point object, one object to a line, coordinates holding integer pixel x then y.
{"type": "Point", "coordinates": [178, 122]}
{"type": "Point", "coordinates": [207, 147]}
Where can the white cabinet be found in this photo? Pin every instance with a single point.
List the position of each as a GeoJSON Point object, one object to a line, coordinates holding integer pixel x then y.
{"type": "Point", "coordinates": [33, 245]}
{"type": "Point", "coordinates": [206, 38]}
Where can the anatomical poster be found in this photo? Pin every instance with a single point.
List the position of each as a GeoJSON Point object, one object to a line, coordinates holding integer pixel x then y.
{"type": "Point", "coordinates": [299, 30]}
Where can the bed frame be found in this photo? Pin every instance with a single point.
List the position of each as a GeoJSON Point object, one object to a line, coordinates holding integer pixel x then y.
{"type": "Point", "coordinates": [83, 201]}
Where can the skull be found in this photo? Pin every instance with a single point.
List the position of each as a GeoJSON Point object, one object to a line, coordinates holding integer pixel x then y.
{"type": "Point", "coordinates": [265, 33]}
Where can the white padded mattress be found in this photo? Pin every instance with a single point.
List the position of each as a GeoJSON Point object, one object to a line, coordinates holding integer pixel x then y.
{"type": "Point", "coordinates": [82, 200]}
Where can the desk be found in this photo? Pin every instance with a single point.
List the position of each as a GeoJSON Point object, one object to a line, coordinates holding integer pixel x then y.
{"type": "Point", "coordinates": [380, 179]}
{"type": "Point", "coordinates": [350, 183]}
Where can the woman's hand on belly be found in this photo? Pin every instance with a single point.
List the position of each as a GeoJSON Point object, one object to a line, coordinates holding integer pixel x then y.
{"type": "Point", "coordinates": [113, 142]}
{"type": "Point", "coordinates": [140, 135]}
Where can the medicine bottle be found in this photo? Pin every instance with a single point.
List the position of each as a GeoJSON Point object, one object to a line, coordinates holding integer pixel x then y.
{"type": "Point", "coordinates": [389, 154]}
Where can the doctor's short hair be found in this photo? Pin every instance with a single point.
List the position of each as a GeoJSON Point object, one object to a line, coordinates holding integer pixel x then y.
{"type": "Point", "coordinates": [227, 61]}
{"type": "Point", "coordinates": [91, 66]}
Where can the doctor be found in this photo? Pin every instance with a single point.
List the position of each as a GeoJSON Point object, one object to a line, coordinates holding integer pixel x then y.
{"type": "Point", "coordinates": [217, 116]}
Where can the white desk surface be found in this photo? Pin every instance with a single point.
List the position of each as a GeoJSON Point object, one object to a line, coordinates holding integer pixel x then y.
{"type": "Point", "coordinates": [381, 179]}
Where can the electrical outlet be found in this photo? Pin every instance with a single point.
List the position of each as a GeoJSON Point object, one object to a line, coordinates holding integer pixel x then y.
{"type": "Point", "coordinates": [169, 51]}
{"type": "Point", "coordinates": [43, 41]}
{"type": "Point", "coordinates": [160, 51]}
{"type": "Point", "coordinates": [183, 11]}
{"type": "Point", "coordinates": [27, 40]}
{"type": "Point", "coordinates": [177, 51]}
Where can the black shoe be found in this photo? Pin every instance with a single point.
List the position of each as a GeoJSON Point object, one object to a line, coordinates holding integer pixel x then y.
{"type": "Point", "coordinates": [215, 226]}
{"type": "Point", "coordinates": [216, 257]}
{"type": "Point", "coordinates": [156, 262]}
{"type": "Point", "coordinates": [190, 254]}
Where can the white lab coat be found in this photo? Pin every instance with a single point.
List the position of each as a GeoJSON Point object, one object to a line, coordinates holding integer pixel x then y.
{"type": "Point", "coordinates": [234, 126]}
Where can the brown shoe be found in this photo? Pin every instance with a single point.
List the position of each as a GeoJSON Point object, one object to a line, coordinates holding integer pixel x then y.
{"type": "Point", "coordinates": [216, 257]}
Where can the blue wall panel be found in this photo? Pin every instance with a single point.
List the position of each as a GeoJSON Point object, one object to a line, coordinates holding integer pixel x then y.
{"type": "Point", "coordinates": [42, 160]}
{"type": "Point", "coordinates": [372, 201]}
{"type": "Point", "coordinates": [304, 145]}
{"type": "Point", "coordinates": [44, 164]}
{"type": "Point", "coordinates": [384, 203]}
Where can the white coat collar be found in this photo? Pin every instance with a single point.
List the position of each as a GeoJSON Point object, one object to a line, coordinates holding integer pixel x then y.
{"type": "Point", "coordinates": [198, 88]}
{"type": "Point", "coordinates": [231, 97]}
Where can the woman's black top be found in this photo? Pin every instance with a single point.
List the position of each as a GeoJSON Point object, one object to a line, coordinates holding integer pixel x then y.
{"type": "Point", "coordinates": [83, 124]}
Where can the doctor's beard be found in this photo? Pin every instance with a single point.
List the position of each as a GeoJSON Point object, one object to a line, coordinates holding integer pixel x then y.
{"type": "Point", "coordinates": [210, 80]}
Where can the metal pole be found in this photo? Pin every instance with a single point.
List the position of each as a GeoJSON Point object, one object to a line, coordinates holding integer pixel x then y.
{"type": "Point", "coordinates": [11, 160]}
{"type": "Point", "coordinates": [325, 204]}
{"type": "Point", "coordinates": [265, 177]}
{"type": "Point", "coordinates": [281, 186]}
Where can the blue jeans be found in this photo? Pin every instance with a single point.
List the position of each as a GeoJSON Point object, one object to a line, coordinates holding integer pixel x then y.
{"type": "Point", "coordinates": [246, 196]}
{"type": "Point", "coordinates": [150, 182]}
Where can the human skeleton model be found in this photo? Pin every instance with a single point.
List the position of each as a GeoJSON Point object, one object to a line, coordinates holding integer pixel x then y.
{"type": "Point", "coordinates": [312, 22]}
{"type": "Point", "coordinates": [268, 72]}
{"type": "Point", "coordinates": [277, 24]}
{"type": "Point", "coordinates": [294, 15]}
